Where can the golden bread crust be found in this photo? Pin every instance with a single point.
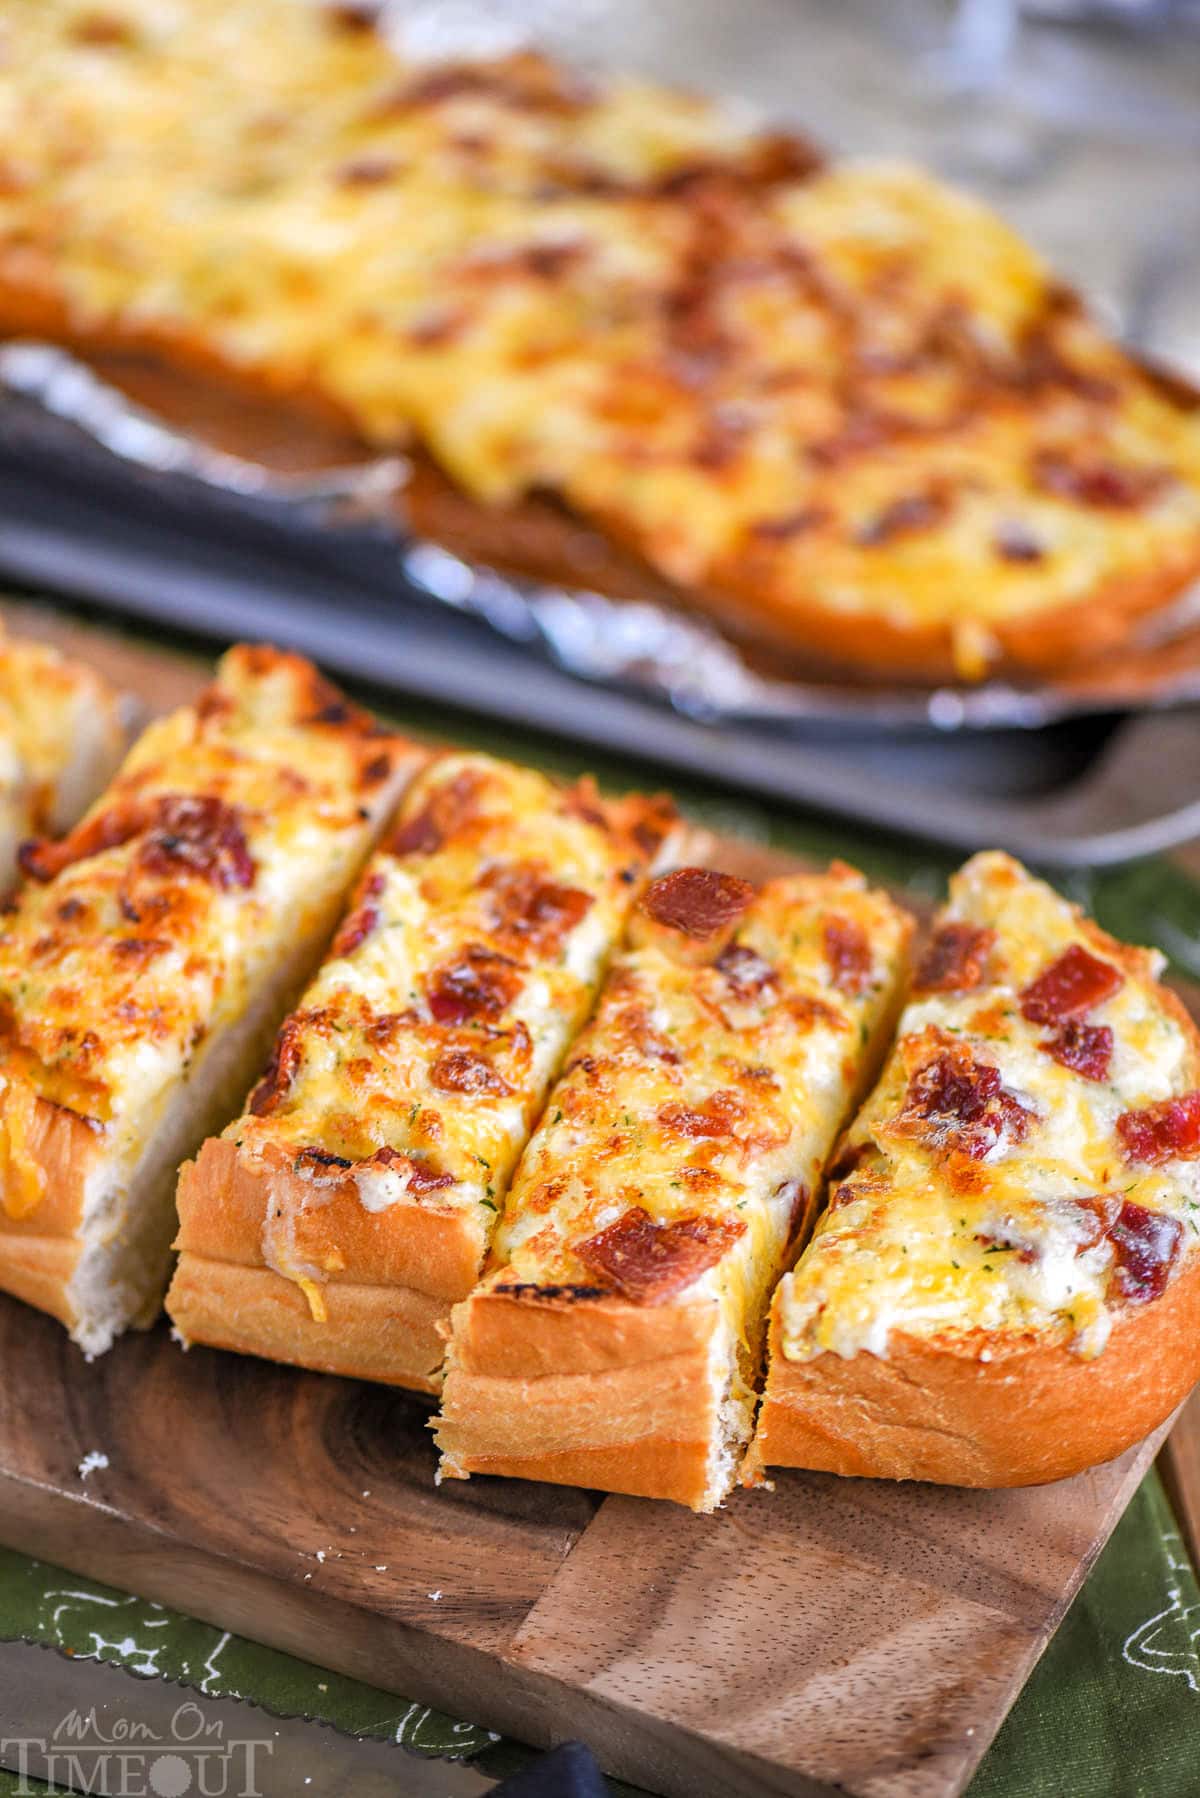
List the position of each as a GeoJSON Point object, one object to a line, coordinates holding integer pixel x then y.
{"type": "Point", "coordinates": [934, 1410]}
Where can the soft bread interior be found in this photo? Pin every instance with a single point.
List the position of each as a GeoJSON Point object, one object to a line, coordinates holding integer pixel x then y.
{"type": "Point", "coordinates": [129, 1209]}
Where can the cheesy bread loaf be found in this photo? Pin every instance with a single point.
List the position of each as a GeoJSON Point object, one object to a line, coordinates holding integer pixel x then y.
{"type": "Point", "coordinates": [336, 1222]}
{"type": "Point", "coordinates": [1004, 1288]}
{"type": "Point", "coordinates": [62, 734]}
{"type": "Point", "coordinates": [617, 1339]}
{"type": "Point", "coordinates": [840, 408]}
{"type": "Point", "coordinates": [148, 959]}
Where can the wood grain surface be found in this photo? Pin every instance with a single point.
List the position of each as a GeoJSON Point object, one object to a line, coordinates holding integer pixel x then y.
{"type": "Point", "coordinates": [831, 1635]}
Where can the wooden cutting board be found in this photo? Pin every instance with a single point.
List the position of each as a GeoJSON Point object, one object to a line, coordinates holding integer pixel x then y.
{"type": "Point", "coordinates": [833, 1635]}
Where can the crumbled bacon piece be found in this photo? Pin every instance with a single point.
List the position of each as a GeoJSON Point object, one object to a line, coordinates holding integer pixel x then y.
{"type": "Point", "coordinates": [282, 1067]}
{"type": "Point", "coordinates": [1094, 1219]}
{"type": "Point", "coordinates": [955, 959]}
{"type": "Point", "coordinates": [718, 1117]}
{"type": "Point", "coordinates": [1167, 1131]}
{"type": "Point", "coordinates": [917, 512]}
{"type": "Point", "coordinates": [358, 924]}
{"type": "Point", "coordinates": [1084, 1048]}
{"type": "Point", "coordinates": [464, 1071]}
{"type": "Point", "coordinates": [848, 952]}
{"type": "Point", "coordinates": [183, 835]}
{"type": "Point", "coordinates": [1071, 986]}
{"type": "Point", "coordinates": [532, 913]}
{"type": "Point", "coordinates": [745, 970]}
{"type": "Point", "coordinates": [1145, 1246]}
{"type": "Point", "coordinates": [649, 1263]}
{"type": "Point", "coordinates": [202, 838]}
{"type": "Point", "coordinates": [482, 984]}
{"type": "Point", "coordinates": [450, 806]}
{"type": "Point", "coordinates": [698, 902]}
{"type": "Point", "coordinates": [1106, 484]}
{"type": "Point", "coordinates": [421, 1177]}
{"type": "Point", "coordinates": [963, 1105]}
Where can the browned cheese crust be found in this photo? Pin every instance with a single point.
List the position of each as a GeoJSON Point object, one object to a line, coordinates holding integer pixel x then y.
{"type": "Point", "coordinates": [337, 1220]}
{"type": "Point", "coordinates": [838, 408]}
{"type": "Point", "coordinates": [617, 1339]}
{"type": "Point", "coordinates": [1005, 1286]}
{"type": "Point", "coordinates": [140, 961]}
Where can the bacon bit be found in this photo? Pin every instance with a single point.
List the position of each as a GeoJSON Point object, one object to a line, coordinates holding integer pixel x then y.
{"type": "Point", "coordinates": [480, 985]}
{"type": "Point", "coordinates": [367, 171]}
{"type": "Point", "coordinates": [1096, 1218]}
{"type": "Point", "coordinates": [1168, 1131]}
{"type": "Point", "coordinates": [919, 512]}
{"type": "Point", "coordinates": [649, 1263]}
{"type": "Point", "coordinates": [138, 948]}
{"type": "Point", "coordinates": [421, 1177]}
{"type": "Point", "coordinates": [282, 1067]}
{"type": "Point", "coordinates": [532, 913]}
{"type": "Point", "coordinates": [745, 970]}
{"type": "Point", "coordinates": [1104, 484]}
{"type": "Point", "coordinates": [698, 902]}
{"type": "Point", "coordinates": [848, 952]}
{"type": "Point", "coordinates": [198, 838]}
{"type": "Point", "coordinates": [1146, 1247]}
{"type": "Point", "coordinates": [790, 524]}
{"type": "Point", "coordinates": [1074, 984]}
{"type": "Point", "coordinates": [463, 1071]}
{"type": "Point", "coordinates": [716, 1118]}
{"type": "Point", "coordinates": [964, 1104]}
{"type": "Point", "coordinates": [184, 835]}
{"type": "Point", "coordinates": [955, 959]}
{"type": "Point", "coordinates": [358, 924]}
{"type": "Point", "coordinates": [449, 808]}
{"type": "Point", "coordinates": [1084, 1048]}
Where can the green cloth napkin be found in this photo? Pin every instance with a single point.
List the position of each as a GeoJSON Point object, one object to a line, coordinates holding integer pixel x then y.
{"type": "Point", "coordinates": [1112, 1710]}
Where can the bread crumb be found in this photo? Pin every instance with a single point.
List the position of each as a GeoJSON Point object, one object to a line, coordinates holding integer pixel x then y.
{"type": "Point", "coordinates": [93, 1463]}
{"type": "Point", "coordinates": [434, 1595]}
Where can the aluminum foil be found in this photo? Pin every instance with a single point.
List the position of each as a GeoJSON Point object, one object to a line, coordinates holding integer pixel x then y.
{"type": "Point", "coordinates": [644, 646]}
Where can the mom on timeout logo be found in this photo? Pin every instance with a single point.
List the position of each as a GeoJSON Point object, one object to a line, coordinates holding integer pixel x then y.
{"type": "Point", "coordinates": [123, 1758]}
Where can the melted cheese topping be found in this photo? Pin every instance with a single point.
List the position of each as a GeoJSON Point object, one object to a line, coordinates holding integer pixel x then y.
{"type": "Point", "coordinates": [923, 1239]}
{"type": "Point", "coordinates": [710, 1092]}
{"type": "Point", "coordinates": [842, 387]}
{"type": "Point", "coordinates": [449, 999]}
{"type": "Point", "coordinates": [46, 703]}
{"type": "Point", "coordinates": [116, 970]}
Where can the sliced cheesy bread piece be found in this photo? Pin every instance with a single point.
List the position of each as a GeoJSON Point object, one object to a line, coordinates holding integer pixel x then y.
{"type": "Point", "coordinates": [617, 1338]}
{"type": "Point", "coordinates": [1003, 1288]}
{"type": "Point", "coordinates": [148, 960]}
{"type": "Point", "coordinates": [62, 733]}
{"type": "Point", "coordinates": [336, 1222]}
{"type": "Point", "coordinates": [839, 406]}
